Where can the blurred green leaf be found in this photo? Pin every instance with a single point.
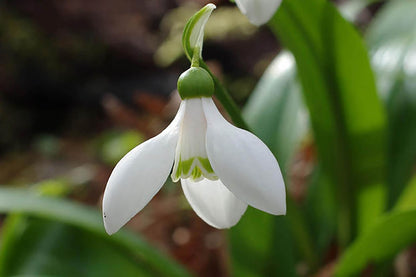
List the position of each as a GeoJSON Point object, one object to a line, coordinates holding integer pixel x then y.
{"type": "Point", "coordinates": [41, 247]}
{"type": "Point", "coordinates": [390, 234]}
{"type": "Point", "coordinates": [392, 41]}
{"type": "Point", "coordinates": [407, 200]}
{"type": "Point", "coordinates": [53, 187]}
{"type": "Point", "coordinates": [87, 219]}
{"type": "Point", "coordinates": [275, 111]}
{"type": "Point", "coordinates": [262, 244]}
{"type": "Point", "coordinates": [346, 114]}
{"type": "Point", "coordinates": [320, 211]}
{"type": "Point", "coordinates": [114, 145]}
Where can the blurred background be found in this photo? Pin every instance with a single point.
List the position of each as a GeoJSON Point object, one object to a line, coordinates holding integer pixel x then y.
{"type": "Point", "coordinates": [82, 83]}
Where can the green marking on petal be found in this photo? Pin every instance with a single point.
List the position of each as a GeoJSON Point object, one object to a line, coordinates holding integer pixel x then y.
{"type": "Point", "coordinates": [206, 164]}
{"type": "Point", "coordinates": [196, 173]}
{"type": "Point", "coordinates": [194, 168]}
{"type": "Point", "coordinates": [178, 173]}
{"type": "Point", "coordinates": [186, 166]}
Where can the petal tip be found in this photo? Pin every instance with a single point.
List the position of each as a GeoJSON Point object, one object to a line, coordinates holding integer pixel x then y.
{"type": "Point", "coordinates": [278, 207]}
{"type": "Point", "coordinates": [110, 228]}
{"type": "Point", "coordinates": [211, 6]}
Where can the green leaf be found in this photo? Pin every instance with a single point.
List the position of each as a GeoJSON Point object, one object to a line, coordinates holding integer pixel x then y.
{"type": "Point", "coordinates": [407, 200]}
{"type": "Point", "coordinates": [392, 41]}
{"type": "Point", "coordinates": [87, 219]}
{"type": "Point", "coordinates": [346, 114]}
{"type": "Point", "coordinates": [320, 211]}
{"type": "Point", "coordinates": [383, 240]}
{"type": "Point", "coordinates": [262, 244]}
{"type": "Point", "coordinates": [275, 111]}
{"type": "Point", "coordinates": [40, 247]}
{"type": "Point", "coordinates": [113, 145]}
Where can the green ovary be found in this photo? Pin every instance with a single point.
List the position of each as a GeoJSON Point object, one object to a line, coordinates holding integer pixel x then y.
{"type": "Point", "coordinates": [195, 168]}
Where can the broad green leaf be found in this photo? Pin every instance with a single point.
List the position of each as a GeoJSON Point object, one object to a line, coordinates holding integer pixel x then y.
{"type": "Point", "coordinates": [392, 41]}
{"type": "Point", "coordinates": [41, 247]}
{"type": "Point", "coordinates": [262, 244]}
{"type": "Point", "coordinates": [390, 234]}
{"type": "Point", "coordinates": [87, 219]}
{"type": "Point", "coordinates": [345, 112]}
{"type": "Point", "coordinates": [275, 111]}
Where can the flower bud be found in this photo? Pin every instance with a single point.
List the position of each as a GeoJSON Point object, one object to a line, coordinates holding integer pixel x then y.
{"type": "Point", "coordinates": [195, 82]}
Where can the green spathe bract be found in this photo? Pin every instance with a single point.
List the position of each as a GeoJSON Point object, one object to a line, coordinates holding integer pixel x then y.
{"type": "Point", "coordinates": [195, 82]}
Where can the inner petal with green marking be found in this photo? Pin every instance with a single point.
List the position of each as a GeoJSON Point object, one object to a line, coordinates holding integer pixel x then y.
{"type": "Point", "coordinates": [195, 168]}
{"type": "Point", "coordinates": [191, 160]}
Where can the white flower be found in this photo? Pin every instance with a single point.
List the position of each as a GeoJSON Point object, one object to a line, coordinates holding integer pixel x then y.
{"type": "Point", "coordinates": [221, 168]}
{"type": "Point", "coordinates": [258, 11]}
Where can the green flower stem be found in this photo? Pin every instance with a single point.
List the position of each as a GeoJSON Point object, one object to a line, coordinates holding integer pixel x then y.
{"type": "Point", "coordinates": [228, 103]}
{"type": "Point", "coordinates": [306, 246]}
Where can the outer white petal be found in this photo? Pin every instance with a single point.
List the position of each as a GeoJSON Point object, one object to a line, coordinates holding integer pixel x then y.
{"type": "Point", "coordinates": [138, 176]}
{"type": "Point", "coordinates": [244, 163]}
{"type": "Point", "coordinates": [258, 11]}
{"type": "Point", "coordinates": [213, 202]}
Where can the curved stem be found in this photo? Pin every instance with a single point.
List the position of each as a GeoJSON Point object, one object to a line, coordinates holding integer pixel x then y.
{"type": "Point", "coordinates": [228, 103]}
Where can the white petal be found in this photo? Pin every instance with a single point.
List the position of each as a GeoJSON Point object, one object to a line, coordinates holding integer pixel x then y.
{"type": "Point", "coordinates": [258, 11]}
{"type": "Point", "coordinates": [138, 176]}
{"type": "Point", "coordinates": [191, 143]}
{"type": "Point", "coordinates": [213, 202]}
{"type": "Point", "coordinates": [244, 163]}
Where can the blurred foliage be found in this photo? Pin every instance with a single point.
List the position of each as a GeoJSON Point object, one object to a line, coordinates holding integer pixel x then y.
{"type": "Point", "coordinates": [276, 114]}
{"type": "Point", "coordinates": [392, 42]}
{"type": "Point", "coordinates": [78, 229]}
{"type": "Point", "coordinates": [47, 248]}
{"type": "Point", "coordinates": [354, 166]}
{"type": "Point", "coordinates": [346, 116]}
{"type": "Point", "coordinates": [113, 145]}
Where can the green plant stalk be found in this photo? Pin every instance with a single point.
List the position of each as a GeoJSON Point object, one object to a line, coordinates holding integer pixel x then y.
{"type": "Point", "coordinates": [226, 100]}
{"type": "Point", "coordinates": [346, 204]}
{"type": "Point", "coordinates": [302, 236]}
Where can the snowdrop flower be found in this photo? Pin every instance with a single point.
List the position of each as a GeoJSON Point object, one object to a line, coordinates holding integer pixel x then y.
{"type": "Point", "coordinates": [258, 11]}
{"type": "Point", "coordinates": [222, 168]}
